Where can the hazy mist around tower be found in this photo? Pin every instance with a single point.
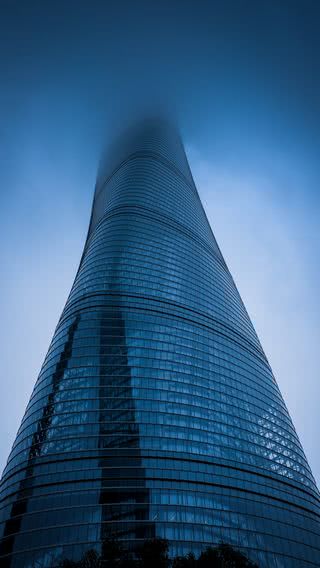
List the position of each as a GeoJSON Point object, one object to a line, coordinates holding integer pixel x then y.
{"type": "Point", "coordinates": [242, 81]}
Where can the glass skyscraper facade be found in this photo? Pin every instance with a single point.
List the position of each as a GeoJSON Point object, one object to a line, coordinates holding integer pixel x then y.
{"type": "Point", "coordinates": [156, 413]}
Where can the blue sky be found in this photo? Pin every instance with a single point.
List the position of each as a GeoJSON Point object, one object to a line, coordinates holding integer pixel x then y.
{"type": "Point", "coordinates": [242, 79]}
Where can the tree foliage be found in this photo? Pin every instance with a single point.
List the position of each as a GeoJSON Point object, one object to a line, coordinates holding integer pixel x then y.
{"type": "Point", "coordinates": [155, 554]}
{"type": "Point", "coordinates": [224, 556]}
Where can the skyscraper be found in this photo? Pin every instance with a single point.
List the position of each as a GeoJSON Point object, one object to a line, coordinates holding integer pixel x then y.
{"type": "Point", "coordinates": [156, 412]}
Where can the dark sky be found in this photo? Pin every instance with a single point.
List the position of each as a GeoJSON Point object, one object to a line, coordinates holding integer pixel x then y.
{"type": "Point", "coordinates": [242, 79]}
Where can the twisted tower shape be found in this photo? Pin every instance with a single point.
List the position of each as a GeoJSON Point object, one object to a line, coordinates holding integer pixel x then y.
{"type": "Point", "coordinates": [156, 412]}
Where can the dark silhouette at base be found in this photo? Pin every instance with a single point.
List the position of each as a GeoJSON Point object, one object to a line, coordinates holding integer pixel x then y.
{"type": "Point", "coordinates": [155, 554]}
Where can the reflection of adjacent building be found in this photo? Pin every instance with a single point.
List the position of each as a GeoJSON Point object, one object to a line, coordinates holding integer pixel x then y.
{"type": "Point", "coordinates": [30, 483]}
{"type": "Point", "coordinates": [156, 412]}
{"type": "Point", "coordinates": [124, 498]}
